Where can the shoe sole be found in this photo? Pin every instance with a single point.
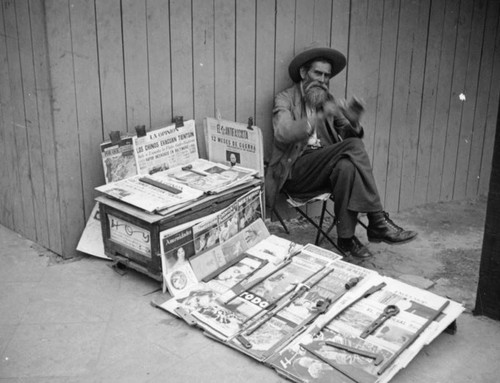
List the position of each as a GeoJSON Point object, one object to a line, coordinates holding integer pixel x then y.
{"type": "Point", "coordinates": [378, 240]}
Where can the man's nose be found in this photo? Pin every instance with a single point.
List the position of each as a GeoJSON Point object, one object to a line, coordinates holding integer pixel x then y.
{"type": "Point", "coordinates": [323, 78]}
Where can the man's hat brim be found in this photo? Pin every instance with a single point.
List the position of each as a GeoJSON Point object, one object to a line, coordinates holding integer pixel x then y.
{"type": "Point", "coordinates": [334, 57]}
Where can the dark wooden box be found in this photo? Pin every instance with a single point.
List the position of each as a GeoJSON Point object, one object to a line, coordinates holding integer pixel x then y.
{"type": "Point", "coordinates": [131, 236]}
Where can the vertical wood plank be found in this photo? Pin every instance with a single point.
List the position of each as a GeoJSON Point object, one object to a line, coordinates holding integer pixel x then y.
{"type": "Point", "coordinates": [285, 27]}
{"type": "Point", "coordinates": [456, 105]}
{"type": "Point", "coordinates": [485, 85]}
{"type": "Point", "coordinates": [322, 22]}
{"type": "Point", "coordinates": [65, 124]}
{"type": "Point", "coordinates": [364, 59]}
{"type": "Point", "coordinates": [245, 60]}
{"type": "Point", "coordinates": [88, 97]}
{"type": "Point", "coordinates": [204, 71]}
{"type": "Point", "coordinates": [181, 46]}
{"type": "Point", "coordinates": [429, 98]}
{"type": "Point", "coordinates": [10, 200]}
{"type": "Point", "coordinates": [225, 58]}
{"type": "Point", "coordinates": [27, 227]}
{"type": "Point", "coordinates": [383, 111]}
{"type": "Point", "coordinates": [339, 39]}
{"type": "Point", "coordinates": [45, 123]}
{"type": "Point", "coordinates": [31, 121]}
{"type": "Point", "coordinates": [470, 92]}
{"type": "Point", "coordinates": [443, 99]}
{"type": "Point", "coordinates": [491, 119]}
{"type": "Point", "coordinates": [160, 82]}
{"type": "Point", "coordinates": [264, 72]}
{"type": "Point", "coordinates": [111, 71]}
{"type": "Point", "coordinates": [304, 24]}
{"type": "Point", "coordinates": [418, 38]}
{"type": "Point", "coordinates": [409, 13]}
{"type": "Point", "coordinates": [135, 54]}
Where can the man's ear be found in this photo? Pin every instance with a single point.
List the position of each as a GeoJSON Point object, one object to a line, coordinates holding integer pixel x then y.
{"type": "Point", "coordinates": [303, 73]}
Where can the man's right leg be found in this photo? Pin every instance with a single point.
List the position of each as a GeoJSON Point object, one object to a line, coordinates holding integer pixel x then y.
{"type": "Point", "coordinates": [342, 181]}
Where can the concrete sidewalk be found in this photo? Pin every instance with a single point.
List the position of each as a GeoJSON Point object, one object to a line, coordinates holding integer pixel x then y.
{"type": "Point", "coordinates": [79, 321]}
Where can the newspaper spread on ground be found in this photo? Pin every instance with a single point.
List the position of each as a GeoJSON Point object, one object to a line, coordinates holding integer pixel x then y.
{"type": "Point", "coordinates": [165, 148]}
{"type": "Point", "coordinates": [253, 306]}
{"type": "Point", "coordinates": [118, 159]}
{"type": "Point", "coordinates": [234, 144]}
{"type": "Point", "coordinates": [139, 192]}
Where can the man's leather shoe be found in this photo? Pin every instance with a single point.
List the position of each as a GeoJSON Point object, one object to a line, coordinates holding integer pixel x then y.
{"type": "Point", "coordinates": [353, 247]}
{"type": "Point", "coordinates": [382, 229]}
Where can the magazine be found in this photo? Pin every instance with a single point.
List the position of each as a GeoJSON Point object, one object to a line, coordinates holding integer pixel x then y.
{"type": "Point", "coordinates": [234, 144]}
{"type": "Point", "coordinates": [164, 148]}
{"type": "Point", "coordinates": [118, 159]}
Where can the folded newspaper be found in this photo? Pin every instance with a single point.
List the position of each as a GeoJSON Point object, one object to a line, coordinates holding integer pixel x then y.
{"type": "Point", "coordinates": [210, 177]}
{"type": "Point", "coordinates": [306, 313]}
{"type": "Point", "coordinates": [151, 192]}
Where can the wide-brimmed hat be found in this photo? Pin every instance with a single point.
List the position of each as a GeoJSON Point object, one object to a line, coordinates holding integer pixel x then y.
{"type": "Point", "coordinates": [333, 56]}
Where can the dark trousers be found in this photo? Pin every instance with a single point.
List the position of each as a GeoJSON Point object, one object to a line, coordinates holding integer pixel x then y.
{"type": "Point", "coordinates": [344, 170]}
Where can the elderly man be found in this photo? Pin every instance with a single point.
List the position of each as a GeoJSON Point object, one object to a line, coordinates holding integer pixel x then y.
{"type": "Point", "coordinates": [318, 149]}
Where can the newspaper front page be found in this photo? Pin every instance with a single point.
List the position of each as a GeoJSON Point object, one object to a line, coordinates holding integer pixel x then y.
{"type": "Point", "coordinates": [234, 144]}
{"type": "Point", "coordinates": [165, 148]}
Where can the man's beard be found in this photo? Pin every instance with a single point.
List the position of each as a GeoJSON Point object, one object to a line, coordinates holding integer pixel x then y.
{"type": "Point", "coordinates": [316, 95]}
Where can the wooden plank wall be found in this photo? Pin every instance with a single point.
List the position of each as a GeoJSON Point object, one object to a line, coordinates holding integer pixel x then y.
{"type": "Point", "coordinates": [72, 71]}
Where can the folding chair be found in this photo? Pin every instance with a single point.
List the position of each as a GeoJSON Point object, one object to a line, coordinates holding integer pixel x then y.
{"type": "Point", "coordinates": [300, 205]}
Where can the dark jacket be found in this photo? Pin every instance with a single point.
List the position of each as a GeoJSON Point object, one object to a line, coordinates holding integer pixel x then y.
{"type": "Point", "coordinates": [291, 136]}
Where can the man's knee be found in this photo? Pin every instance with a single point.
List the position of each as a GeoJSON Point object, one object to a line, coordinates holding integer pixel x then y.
{"type": "Point", "coordinates": [344, 165]}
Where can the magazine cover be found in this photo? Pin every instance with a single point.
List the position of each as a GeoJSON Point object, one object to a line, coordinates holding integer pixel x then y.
{"type": "Point", "coordinates": [165, 148]}
{"type": "Point", "coordinates": [234, 144]}
{"type": "Point", "coordinates": [118, 159]}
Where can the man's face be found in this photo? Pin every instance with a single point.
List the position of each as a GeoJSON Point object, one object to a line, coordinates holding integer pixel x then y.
{"type": "Point", "coordinates": [315, 82]}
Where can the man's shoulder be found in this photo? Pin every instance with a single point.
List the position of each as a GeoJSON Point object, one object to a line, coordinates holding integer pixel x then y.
{"type": "Point", "coordinates": [290, 96]}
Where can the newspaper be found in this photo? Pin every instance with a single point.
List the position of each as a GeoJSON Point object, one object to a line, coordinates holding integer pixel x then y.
{"type": "Point", "coordinates": [91, 241]}
{"type": "Point", "coordinates": [234, 144]}
{"type": "Point", "coordinates": [164, 148]}
{"type": "Point", "coordinates": [118, 159]}
{"type": "Point", "coordinates": [136, 192]}
{"type": "Point", "coordinates": [210, 177]}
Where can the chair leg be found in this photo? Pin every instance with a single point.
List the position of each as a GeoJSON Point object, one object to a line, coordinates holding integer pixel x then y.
{"type": "Point", "coordinates": [320, 230]}
{"type": "Point", "coordinates": [321, 218]}
{"type": "Point", "coordinates": [281, 220]}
